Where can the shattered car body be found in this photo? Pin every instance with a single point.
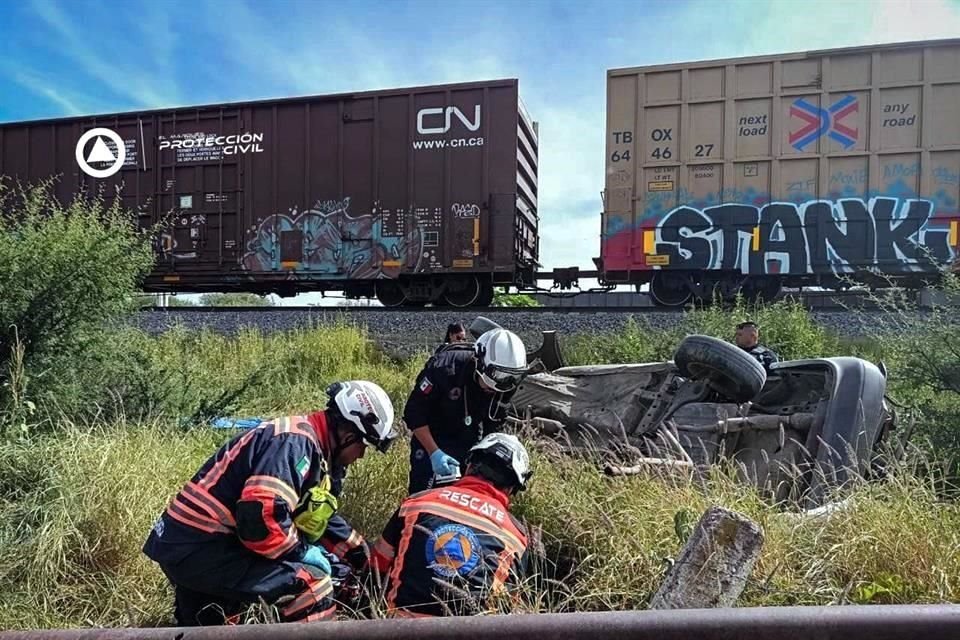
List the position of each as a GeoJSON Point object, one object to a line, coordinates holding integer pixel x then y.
{"type": "Point", "coordinates": [797, 431]}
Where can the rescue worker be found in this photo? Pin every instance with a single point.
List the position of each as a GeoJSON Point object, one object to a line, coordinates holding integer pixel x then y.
{"type": "Point", "coordinates": [258, 520]}
{"type": "Point", "coordinates": [448, 549]}
{"type": "Point", "coordinates": [748, 339]}
{"type": "Point", "coordinates": [455, 333]}
{"type": "Point", "coordinates": [460, 395]}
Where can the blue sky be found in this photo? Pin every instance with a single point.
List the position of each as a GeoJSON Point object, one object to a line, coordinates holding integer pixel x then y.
{"type": "Point", "coordinates": [61, 58]}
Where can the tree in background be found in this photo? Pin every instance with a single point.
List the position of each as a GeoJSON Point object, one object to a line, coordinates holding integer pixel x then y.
{"type": "Point", "coordinates": [234, 300]}
{"type": "Point", "coordinates": [174, 301]}
{"type": "Point", "coordinates": [504, 299]}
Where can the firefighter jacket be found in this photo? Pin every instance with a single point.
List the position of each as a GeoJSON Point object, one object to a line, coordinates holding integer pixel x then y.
{"type": "Point", "coordinates": [449, 550]}
{"type": "Point", "coordinates": [447, 398]}
{"type": "Point", "coordinates": [249, 492]}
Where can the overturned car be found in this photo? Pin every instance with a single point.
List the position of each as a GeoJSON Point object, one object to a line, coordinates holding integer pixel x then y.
{"type": "Point", "coordinates": [798, 432]}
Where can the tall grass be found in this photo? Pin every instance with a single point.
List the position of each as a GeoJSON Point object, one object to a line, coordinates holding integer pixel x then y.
{"type": "Point", "coordinates": [785, 327]}
{"type": "Point", "coordinates": [78, 503]}
{"type": "Point", "coordinates": [262, 373]}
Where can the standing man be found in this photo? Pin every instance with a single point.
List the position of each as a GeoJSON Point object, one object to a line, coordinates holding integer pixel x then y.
{"type": "Point", "coordinates": [248, 524]}
{"type": "Point", "coordinates": [460, 395]}
{"type": "Point", "coordinates": [447, 550]}
{"type": "Point", "coordinates": [748, 339]}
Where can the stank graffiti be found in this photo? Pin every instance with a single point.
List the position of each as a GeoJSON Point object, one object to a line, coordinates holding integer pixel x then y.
{"type": "Point", "coordinates": [326, 239]}
{"type": "Point", "coordinates": [818, 236]}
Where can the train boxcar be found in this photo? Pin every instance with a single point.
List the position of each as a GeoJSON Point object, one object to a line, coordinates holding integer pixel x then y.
{"type": "Point", "coordinates": [412, 195]}
{"type": "Point", "coordinates": [810, 168]}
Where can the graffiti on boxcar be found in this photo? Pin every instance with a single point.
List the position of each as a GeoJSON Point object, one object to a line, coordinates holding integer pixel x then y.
{"type": "Point", "coordinates": [465, 210]}
{"type": "Point", "coordinates": [816, 236]}
{"type": "Point", "coordinates": [327, 239]}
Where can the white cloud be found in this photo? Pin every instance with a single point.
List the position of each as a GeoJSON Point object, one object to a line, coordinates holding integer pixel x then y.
{"type": "Point", "coordinates": [48, 90]}
{"type": "Point", "coordinates": [782, 26]}
{"type": "Point", "coordinates": [89, 48]}
{"type": "Point", "coordinates": [915, 20]}
{"type": "Point", "coordinates": [571, 178]}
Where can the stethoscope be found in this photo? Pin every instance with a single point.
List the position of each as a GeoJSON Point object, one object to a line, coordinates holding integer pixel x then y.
{"type": "Point", "coordinates": [492, 409]}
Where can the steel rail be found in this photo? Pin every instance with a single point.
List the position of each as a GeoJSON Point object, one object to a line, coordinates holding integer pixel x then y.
{"type": "Point", "coordinates": [878, 622]}
{"type": "Point", "coordinates": [813, 303]}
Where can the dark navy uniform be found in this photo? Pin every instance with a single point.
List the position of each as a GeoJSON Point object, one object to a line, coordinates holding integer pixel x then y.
{"type": "Point", "coordinates": [228, 538]}
{"type": "Point", "coordinates": [764, 356]}
{"type": "Point", "coordinates": [447, 397]}
{"type": "Point", "coordinates": [462, 535]}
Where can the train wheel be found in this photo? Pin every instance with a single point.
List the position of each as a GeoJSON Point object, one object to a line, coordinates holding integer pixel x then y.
{"type": "Point", "coordinates": [462, 291]}
{"type": "Point", "coordinates": [390, 293]}
{"type": "Point", "coordinates": [670, 289]}
{"type": "Point", "coordinates": [486, 295]}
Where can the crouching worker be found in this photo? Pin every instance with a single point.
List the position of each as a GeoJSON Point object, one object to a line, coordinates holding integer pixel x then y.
{"type": "Point", "coordinates": [258, 519]}
{"type": "Point", "coordinates": [448, 550]}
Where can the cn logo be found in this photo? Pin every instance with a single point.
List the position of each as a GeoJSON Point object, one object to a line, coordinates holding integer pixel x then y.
{"type": "Point", "coordinates": [824, 121]}
{"type": "Point", "coordinates": [447, 115]}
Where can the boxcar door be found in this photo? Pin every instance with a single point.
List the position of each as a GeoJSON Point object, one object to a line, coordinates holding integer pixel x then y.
{"type": "Point", "coordinates": [199, 194]}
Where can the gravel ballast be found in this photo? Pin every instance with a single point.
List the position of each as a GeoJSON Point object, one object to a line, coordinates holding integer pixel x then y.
{"type": "Point", "coordinates": [405, 333]}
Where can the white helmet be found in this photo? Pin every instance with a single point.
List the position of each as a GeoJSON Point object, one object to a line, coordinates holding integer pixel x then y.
{"type": "Point", "coordinates": [503, 456]}
{"type": "Point", "coordinates": [367, 406]}
{"type": "Point", "coordinates": [501, 359]}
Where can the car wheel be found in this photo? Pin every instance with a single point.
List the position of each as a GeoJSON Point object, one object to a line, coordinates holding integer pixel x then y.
{"type": "Point", "coordinates": [726, 368]}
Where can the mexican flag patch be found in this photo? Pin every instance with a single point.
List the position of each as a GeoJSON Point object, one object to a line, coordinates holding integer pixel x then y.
{"type": "Point", "coordinates": [303, 466]}
{"type": "Point", "coordinates": [426, 386]}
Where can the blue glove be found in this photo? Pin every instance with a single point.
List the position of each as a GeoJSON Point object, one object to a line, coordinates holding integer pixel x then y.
{"type": "Point", "coordinates": [316, 557]}
{"type": "Point", "coordinates": [443, 465]}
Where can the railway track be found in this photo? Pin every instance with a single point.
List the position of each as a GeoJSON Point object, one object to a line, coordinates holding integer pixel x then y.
{"type": "Point", "coordinates": [877, 622]}
{"type": "Point", "coordinates": [406, 332]}
{"type": "Point", "coordinates": [812, 300]}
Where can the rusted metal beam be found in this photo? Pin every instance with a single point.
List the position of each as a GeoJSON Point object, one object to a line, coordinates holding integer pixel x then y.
{"type": "Point", "coordinates": [899, 622]}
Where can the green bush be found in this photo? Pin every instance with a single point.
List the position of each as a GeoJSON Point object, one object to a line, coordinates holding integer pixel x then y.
{"type": "Point", "coordinates": [174, 301]}
{"type": "Point", "coordinates": [503, 299]}
{"type": "Point", "coordinates": [921, 351]}
{"type": "Point", "coordinates": [64, 273]}
{"type": "Point", "coordinates": [201, 373]}
{"type": "Point", "coordinates": [635, 342]}
{"type": "Point", "coordinates": [785, 327]}
{"type": "Point", "coordinates": [234, 300]}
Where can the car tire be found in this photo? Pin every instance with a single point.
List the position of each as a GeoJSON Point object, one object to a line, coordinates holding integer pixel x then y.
{"type": "Point", "coordinates": [726, 368]}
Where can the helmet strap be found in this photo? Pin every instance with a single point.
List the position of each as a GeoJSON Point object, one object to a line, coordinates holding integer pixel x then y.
{"type": "Point", "coordinates": [339, 424]}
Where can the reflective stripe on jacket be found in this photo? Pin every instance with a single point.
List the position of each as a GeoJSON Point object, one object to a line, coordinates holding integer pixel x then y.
{"type": "Point", "coordinates": [251, 487]}
{"type": "Point", "coordinates": [447, 550]}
